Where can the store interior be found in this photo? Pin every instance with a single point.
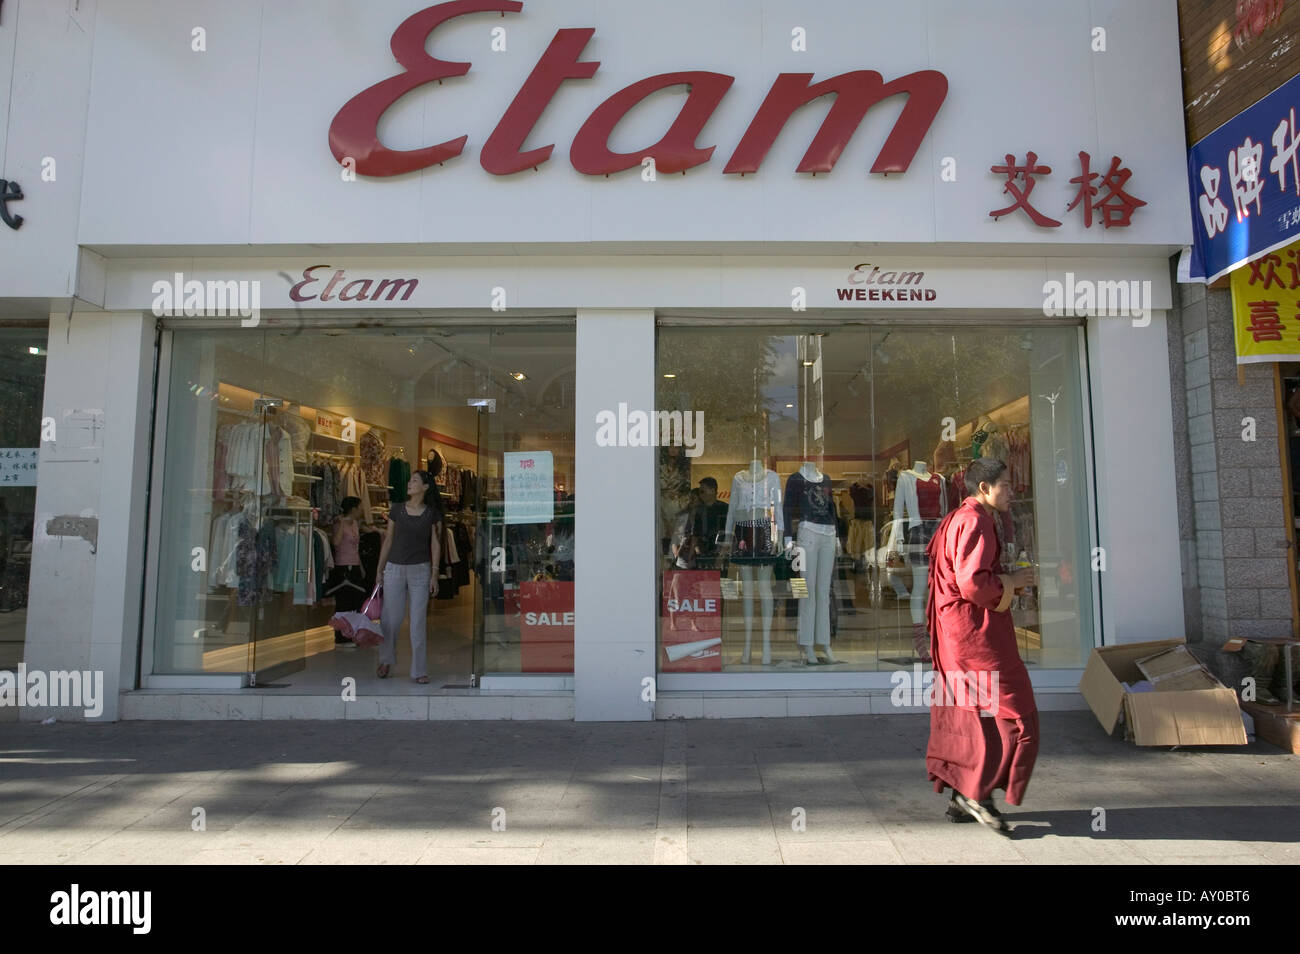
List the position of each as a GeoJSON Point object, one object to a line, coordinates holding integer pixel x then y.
{"type": "Point", "coordinates": [270, 432]}
{"type": "Point", "coordinates": [872, 409]}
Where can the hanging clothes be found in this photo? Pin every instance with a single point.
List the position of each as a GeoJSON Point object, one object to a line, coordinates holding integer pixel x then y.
{"type": "Point", "coordinates": [468, 489]}
{"type": "Point", "coordinates": [447, 584]}
{"type": "Point", "coordinates": [220, 480]}
{"type": "Point", "coordinates": [368, 546]}
{"type": "Point", "coordinates": [299, 431]}
{"type": "Point", "coordinates": [1019, 462]}
{"type": "Point", "coordinates": [464, 547]}
{"type": "Point", "coordinates": [259, 459]}
{"type": "Point", "coordinates": [255, 559]}
{"type": "Point", "coordinates": [302, 580]}
{"type": "Point", "coordinates": [223, 544]}
{"type": "Point", "coordinates": [371, 447]}
{"type": "Point", "coordinates": [285, 544]}
{"type": "Point", "coordinates": [399, 475]}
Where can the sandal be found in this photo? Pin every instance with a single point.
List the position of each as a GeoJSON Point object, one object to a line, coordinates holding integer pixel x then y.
{"type": "Point", "coordinates": [382, 671]}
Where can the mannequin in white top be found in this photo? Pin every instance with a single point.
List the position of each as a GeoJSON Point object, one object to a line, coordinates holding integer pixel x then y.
{"type": "Point", "coordinates": [810, 514]}
{"type": "Point", "coordinates": [907, 505]}
{"type": "Point", "coordinates": [756, 499]}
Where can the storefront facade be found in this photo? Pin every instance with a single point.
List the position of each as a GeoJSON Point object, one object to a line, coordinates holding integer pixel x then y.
{"type": "Point", "coordinates": [1233, 348]}
{"type": "Point", "coordinates": [697, 390]}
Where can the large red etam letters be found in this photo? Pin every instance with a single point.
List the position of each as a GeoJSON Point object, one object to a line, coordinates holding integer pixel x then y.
{"type": "Point", "coordinates": [354, 132]}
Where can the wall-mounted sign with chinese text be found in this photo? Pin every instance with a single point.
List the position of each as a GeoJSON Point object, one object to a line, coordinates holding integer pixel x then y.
{"type": "Point", "coordinates": [18, 466]}
{"type": "Point", "coordinates": [1266, 307]}
{"type": "Point", "coordinates": [1106, 200]}
{"type": "Point", "coordinates": [1245, 185]}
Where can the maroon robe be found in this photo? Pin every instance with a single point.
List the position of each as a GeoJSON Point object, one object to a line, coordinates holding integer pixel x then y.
{"type": "Point", "coordinates": [972, 633]}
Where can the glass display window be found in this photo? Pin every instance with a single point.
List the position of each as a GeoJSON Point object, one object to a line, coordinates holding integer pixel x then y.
{"type": "Point", "coordinates": [287, 456]}
{"type": "Point", "coordinates": [795, 536]}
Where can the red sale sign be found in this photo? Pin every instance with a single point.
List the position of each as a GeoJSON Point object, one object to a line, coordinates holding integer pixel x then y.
{"type": "Point", "coordinates": [546, 626]}
{"type": "Point", "coordinates": [692, 621]}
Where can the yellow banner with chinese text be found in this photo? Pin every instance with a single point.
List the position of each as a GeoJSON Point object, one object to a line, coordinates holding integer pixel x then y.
{"type": "Point", "coordinates": [1266, 307]}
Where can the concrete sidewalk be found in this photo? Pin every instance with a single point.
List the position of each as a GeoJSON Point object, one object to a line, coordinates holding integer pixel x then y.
{"type": "Point", "coordinates": [700, 791]}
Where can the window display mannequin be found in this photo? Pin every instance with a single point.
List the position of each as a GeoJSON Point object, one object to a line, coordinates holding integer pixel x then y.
{"type": "Point", "coordinates": [755, 527]}
{"type": "Point", "coordinates": [988, 440]}
{"type": "Point", "coordinates": [921, 500]}
{"type": "Point", "coordinates": [810, 513]}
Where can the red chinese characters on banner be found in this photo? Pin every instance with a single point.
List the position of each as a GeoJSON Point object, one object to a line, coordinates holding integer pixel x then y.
{"type": "Point", "coordinates": [1115, 207]}
{"type": "Point", "coordinates": [692, 621]}
{"type": "Point", "coordinates": [1264, 319]}
{"type": "Point", "coordinates": [546, 626]}
{"type": "Point", "coordinates": [1263, 271]}
{"type": "Point", "coordinates": [1265, 324]}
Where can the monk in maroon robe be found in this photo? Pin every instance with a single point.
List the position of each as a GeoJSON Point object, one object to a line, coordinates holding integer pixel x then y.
{"type": "Point", "coordinates": [973, 646]}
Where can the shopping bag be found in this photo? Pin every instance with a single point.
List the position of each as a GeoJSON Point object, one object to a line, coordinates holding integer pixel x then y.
{"type": "Point", "coordinates": [360, 629]}
{"type": "Point", "coordinates": [373, 608]}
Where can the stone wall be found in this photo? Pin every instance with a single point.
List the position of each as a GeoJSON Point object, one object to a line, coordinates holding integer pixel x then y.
{"type": "Point", "coordinates": [1235, 560]}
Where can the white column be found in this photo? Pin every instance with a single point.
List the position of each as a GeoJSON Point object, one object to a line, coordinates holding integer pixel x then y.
{"type": "Point", "coordinates": [1133, 438]}
{"type": "Point", "coordinates": [83, 607]}
{"type": "Point", "coordinates": [614, 522]}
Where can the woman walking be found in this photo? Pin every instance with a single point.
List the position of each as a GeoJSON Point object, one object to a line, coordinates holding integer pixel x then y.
{"type": "Point", "coordinates": [408, 562]}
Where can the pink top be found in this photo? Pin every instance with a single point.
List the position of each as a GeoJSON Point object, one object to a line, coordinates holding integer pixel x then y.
{"type": "Point", "coordinates": [346, 552]}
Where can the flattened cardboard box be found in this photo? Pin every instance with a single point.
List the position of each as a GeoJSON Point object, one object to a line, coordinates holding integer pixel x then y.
{"type": "Point", "coordinates": [1208, 716]}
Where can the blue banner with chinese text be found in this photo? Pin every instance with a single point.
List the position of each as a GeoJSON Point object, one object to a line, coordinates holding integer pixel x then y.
{"type": "Point", "coordinates": [1245, 185]}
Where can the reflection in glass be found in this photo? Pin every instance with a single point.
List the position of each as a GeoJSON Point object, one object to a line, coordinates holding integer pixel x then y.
{"type": "Point", "coordinates": [269, 432]}
{"type": "Point", "coordinates": [836, 453]}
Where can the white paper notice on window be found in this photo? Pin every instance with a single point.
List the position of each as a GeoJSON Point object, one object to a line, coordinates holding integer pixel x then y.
{"type": "Point", "coordinates": [18, 466]}
{"type": "Point", "coordinates": [530, 487]}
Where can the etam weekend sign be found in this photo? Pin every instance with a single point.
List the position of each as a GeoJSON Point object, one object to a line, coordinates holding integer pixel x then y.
{"type": "Point", "coordinates": [354, 137]}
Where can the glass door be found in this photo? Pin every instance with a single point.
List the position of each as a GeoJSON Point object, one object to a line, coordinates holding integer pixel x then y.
{"type": "Point", "coordinates": [284, 543]}
{"type": "Point", "coordinates": [236, 525]}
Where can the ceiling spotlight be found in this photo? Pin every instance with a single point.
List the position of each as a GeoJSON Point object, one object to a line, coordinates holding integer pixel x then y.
{"type": "Point", "coordinates": [519, 375]}
{"type": "Point", "coordinates": [808, 364]}
{"type": "Point", "coordinates": [670, 375]}
{"type": "Point", "coordinates": [789, 405]}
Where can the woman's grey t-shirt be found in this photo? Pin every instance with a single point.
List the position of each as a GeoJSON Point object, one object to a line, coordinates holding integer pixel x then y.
{"type": "Point", "coordinates": [412, 536]}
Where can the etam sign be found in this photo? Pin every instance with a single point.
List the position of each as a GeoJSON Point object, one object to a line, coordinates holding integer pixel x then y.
{"type": "Point", "coordinates": [354, 137]}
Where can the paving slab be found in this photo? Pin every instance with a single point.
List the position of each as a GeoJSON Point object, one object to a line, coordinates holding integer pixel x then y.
{"type": "Point", "coordinates": [672, 792]}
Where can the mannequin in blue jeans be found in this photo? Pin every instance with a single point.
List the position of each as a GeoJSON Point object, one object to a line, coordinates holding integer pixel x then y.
{"type": "Point", "coordinates": [408, 563]}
